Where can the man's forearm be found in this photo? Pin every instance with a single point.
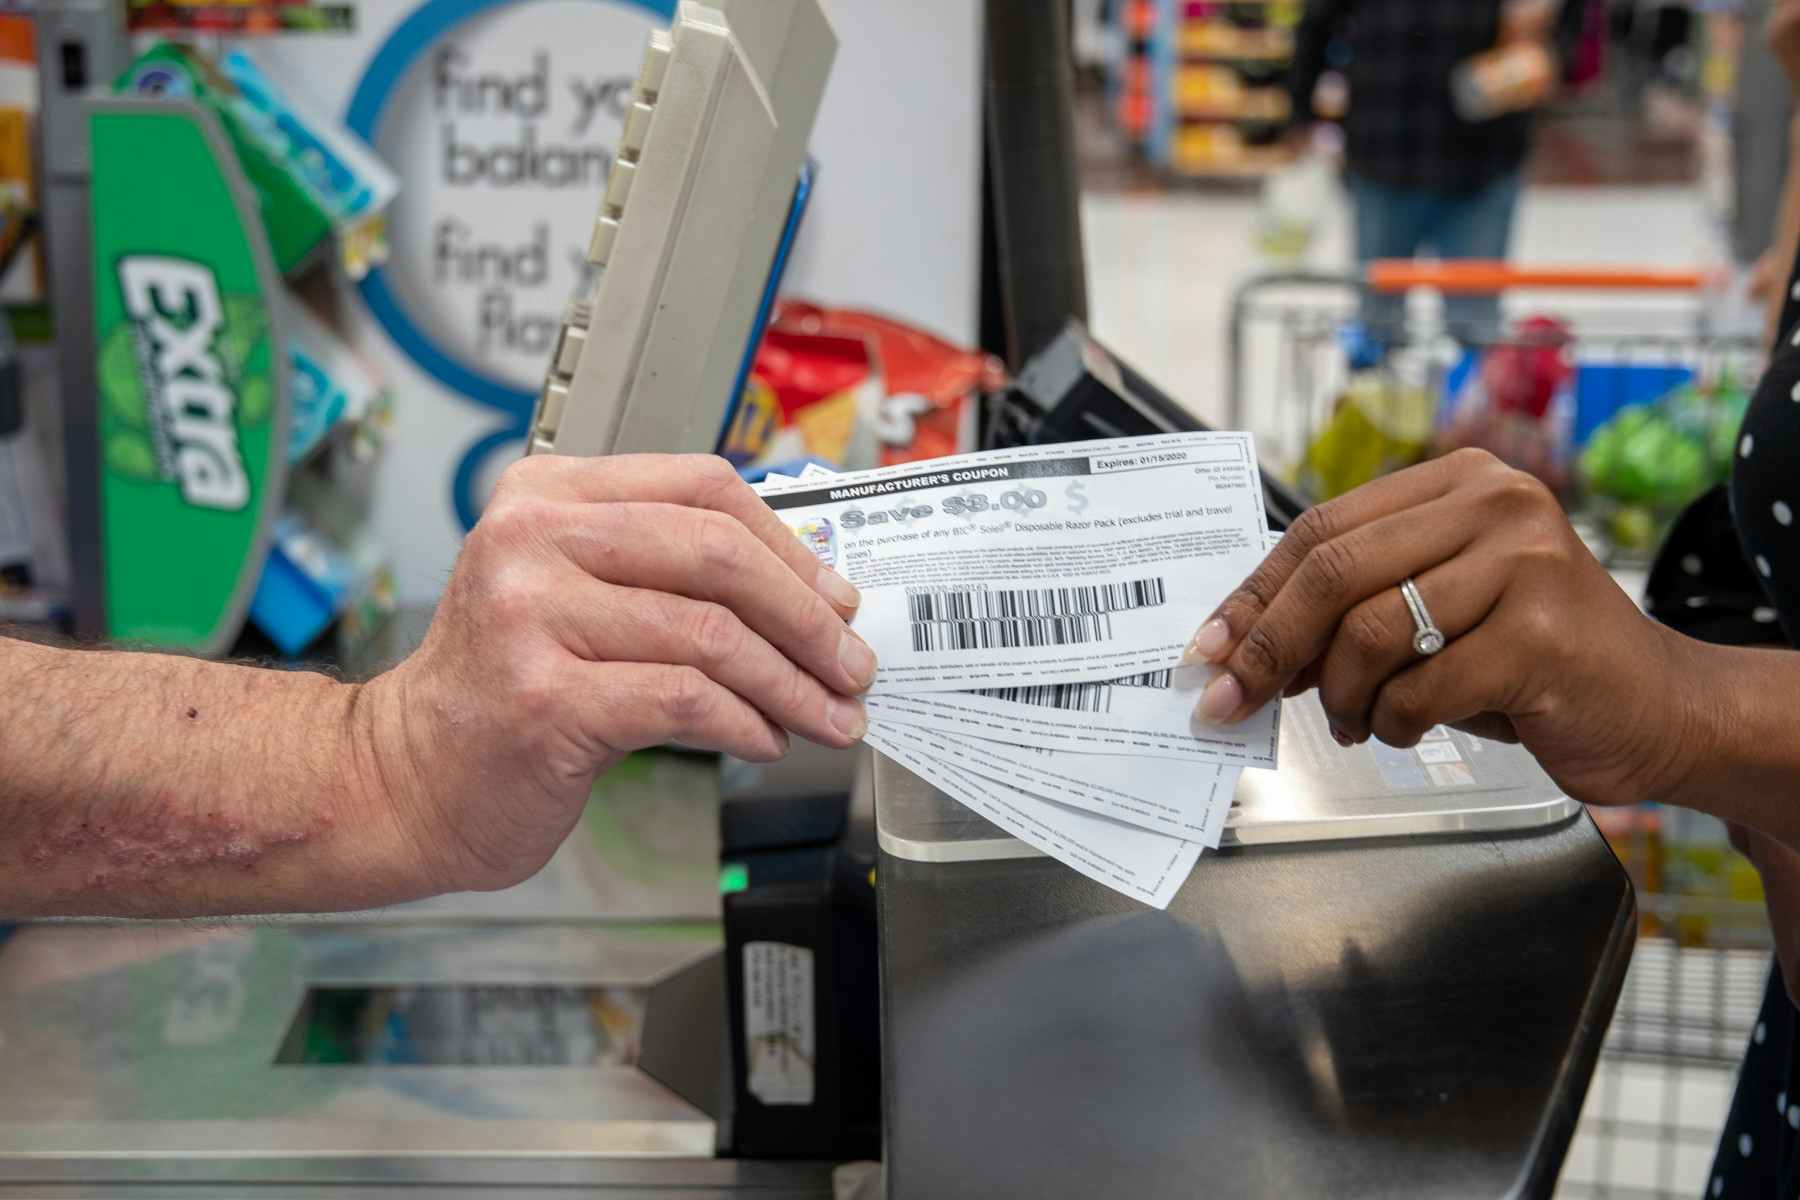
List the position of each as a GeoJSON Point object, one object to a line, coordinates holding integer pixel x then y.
{"type": "Point", "coordinates": [151, 785]}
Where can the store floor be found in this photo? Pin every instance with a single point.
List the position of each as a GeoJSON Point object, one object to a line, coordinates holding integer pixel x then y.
{"type": "Point", "coordinates": [1162, 270]}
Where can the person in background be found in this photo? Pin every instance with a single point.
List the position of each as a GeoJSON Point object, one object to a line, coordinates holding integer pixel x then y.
{"type": "Point", "coordinates": [1421, 173]}
{"type": "Point", "coordinates": [1767, 129]}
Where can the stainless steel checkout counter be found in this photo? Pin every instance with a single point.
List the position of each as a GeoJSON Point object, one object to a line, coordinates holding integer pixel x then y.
{"type": "Point", "coordinates": [1391, 982]}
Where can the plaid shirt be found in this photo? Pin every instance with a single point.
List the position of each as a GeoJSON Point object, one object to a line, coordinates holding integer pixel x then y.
{"type": "Point", "coordinates": [1401, 129]}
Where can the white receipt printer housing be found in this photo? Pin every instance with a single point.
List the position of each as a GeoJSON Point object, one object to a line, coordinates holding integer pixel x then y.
{"type": "Point", "coordinates": [693, 214]}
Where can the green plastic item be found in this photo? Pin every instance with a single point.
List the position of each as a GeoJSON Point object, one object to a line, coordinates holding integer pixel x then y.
{"type": "Point", "coordinates": [1379, 425]}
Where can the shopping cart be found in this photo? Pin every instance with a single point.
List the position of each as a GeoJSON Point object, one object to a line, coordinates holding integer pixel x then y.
{"type": "Point", "coordinates": [1345, 377]}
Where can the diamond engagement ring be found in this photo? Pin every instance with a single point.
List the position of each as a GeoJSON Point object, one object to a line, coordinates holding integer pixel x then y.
{"type": "Point", "coordinates": [1429, 639]}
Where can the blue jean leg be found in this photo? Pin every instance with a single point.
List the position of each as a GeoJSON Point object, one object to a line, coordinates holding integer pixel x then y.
{"type": "Point", "coordinates": [1390, 223]}
{"type": "Point", "coordinates": [1476, 225]}
{"type": "Point", "coordinates": [1400, 222]}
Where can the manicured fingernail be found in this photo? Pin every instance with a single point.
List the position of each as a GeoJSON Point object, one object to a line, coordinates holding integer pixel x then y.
{"type": "Point", "coordinates": [1208, 643]}
{"type": "Point", "coordinates": [857, 659]}
{"type": "Point", "coordinates": [1341, 738]}
{"type": "Point", "coordinates": [1222, 697]}
{"type": "Point", "coordinates": [837, 589]}
{"type": "Point", "coordinates": [847, 716]}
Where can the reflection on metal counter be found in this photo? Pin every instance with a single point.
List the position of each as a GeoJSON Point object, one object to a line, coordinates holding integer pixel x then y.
{"type": "Point", "coordinates": [548, 1035]}
{"type": "Point", "coordinates": [1393, 983]}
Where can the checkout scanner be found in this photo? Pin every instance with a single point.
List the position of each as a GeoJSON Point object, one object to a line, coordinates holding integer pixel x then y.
{"type": "Point", "coordinates": [1383, 986]}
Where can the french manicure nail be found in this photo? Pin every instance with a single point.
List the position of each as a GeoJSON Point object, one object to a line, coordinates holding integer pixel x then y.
{"type": "Point", "coordinates": [1341, 738]}
{"type": "Point", "coordinates": [1222, 697]}
{"type": "Point", "coordinates": [857, 659]}
{"type": "Point", "coordinates": [1208, 643]}
{"type": "Point", "coordinates": [847, 716]}
{"type": "Point", "coordinates": [837, 589]}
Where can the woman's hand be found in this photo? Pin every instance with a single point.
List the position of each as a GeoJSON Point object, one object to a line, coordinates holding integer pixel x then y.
{"type": "Point", "coordinates": [1542, 646]}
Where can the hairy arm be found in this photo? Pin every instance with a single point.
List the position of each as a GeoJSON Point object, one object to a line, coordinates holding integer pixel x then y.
{"type": "Point", "coordinates": [601, 606]}
{"type": "Point", "coordinates": [150, 785]}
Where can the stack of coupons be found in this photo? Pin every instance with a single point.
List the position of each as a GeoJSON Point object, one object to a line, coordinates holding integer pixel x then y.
{"type": "Point", "coordinates": [1029, 609]}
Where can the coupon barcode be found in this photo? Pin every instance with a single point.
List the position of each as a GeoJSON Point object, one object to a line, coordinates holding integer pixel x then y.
{"type": "Point", "coordinates": [1077, 697]}
{"type": "Point", "coordinates": [993, 632]}
{"type": "Point", "coordinates": [940, 604]}
{"type": "Point", "coordinates": [946, 619]}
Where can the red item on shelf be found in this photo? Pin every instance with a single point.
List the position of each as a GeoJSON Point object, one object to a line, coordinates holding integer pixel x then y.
{"type": "Point", "coordinates": [802, 368]}
{"type": "Point", "coordinates": [932, 387]}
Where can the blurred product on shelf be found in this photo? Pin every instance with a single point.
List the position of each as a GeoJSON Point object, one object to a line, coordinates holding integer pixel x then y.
{"type": "Point", "coordinates": [853, 390]}
{"type": "Point", "coordinates": [330, 389]}
{"type": "Point", "coordinates": [1198, 88]}
{"type": "Point", "coordinates": [21, 259]}
{"type": "Point", "coordinates": [326, 571]}
{"type": "Point", "coordinates": [1692, 886]}
{"type": "Point", "coordinates": [21, 269]}
{"type": "Point", "coordinates": [311, 580]}
{"type": "Point", "coordinates": [319, 185]}
{"type": "Point", "coordinates": [809, 395]}
{"type": "Point", "coordinates": [241, 17]}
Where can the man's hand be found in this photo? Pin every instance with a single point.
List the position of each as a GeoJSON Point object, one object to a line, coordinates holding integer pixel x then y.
{"type": "Point", "coordinates": [1543, 647]}
{"type": "Point", "coordinates": [603, 606]}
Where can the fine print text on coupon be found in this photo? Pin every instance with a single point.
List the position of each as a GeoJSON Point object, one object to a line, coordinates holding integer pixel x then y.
{"type": "Point", "coordinates": [1046, 566]}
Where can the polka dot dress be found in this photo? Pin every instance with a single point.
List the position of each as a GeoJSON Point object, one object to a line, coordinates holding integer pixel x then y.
{"type": "Point", "coordinates": [1730, 573]}
{"type": "Point", "coordinates": [1759, 1150]}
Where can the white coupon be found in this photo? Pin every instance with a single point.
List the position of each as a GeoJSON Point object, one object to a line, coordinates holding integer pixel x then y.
{"type": "Point", "coordinates": [1152, 714]}
{"type": "Point", "coordinates": [1037, 565]}
{"type": "Point", "coordinates": [1185, 800]}
{"type": "Point", "coordinates": [1145, 865]}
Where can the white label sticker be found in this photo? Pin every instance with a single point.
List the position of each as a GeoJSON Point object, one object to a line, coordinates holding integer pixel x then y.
{"type": "Point", "coordinates": [1446, 775]}
{"type": "Point", "coordinates": [778, 1021]}
{"type": "Point", "coordinates": [1438, 752]}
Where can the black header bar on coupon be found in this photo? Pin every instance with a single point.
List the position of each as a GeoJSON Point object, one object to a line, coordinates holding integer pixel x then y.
{"type": "Point", "coordinates": [970, 476]}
